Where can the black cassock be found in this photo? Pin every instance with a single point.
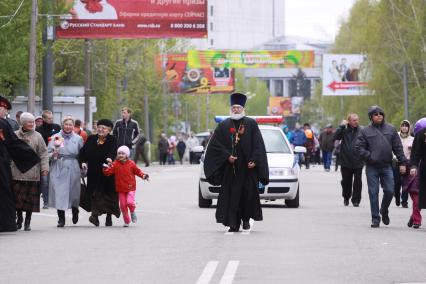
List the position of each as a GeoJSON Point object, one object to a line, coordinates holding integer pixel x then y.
{"type": "Point", "coordinates": [102, 188]}
{"type": "Point", "coordinates": [11, 148]}
{"type": "Point", "coordinates": [239, 194]}
{"type": "Point", "coordinates": [418, 158]}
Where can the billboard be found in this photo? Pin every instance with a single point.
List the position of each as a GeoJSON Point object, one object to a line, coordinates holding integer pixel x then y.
{"type": "Point", "coordinates": [345, 75]}
{"type": "Point", "coordinates": [101, 19]}
{"type": "Point", "coordinates": [279, 106]}
{"type": "Point", "coordinates": [250, 59]}
{"type": "Point", "coordinates": [285, 106]}
{"type": "Point", "coordinates": [182, 79]}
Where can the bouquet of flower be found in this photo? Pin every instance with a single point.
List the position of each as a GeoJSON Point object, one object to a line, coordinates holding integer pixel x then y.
{"type": "Point", "coordinates": [58, 142]}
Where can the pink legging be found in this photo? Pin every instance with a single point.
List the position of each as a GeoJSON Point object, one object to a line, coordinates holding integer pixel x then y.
{"type": "Point", "coordinates": [127, 202]}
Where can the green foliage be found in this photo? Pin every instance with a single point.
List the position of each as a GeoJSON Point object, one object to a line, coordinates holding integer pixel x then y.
{"type": "Point", "coordinates": [392, 33]}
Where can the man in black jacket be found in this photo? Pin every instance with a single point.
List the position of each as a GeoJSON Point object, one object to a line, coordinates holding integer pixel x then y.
{"type": "Point", "coordinates": [375, 145]}
{"type": "Point", "coordinates": [48, 128]}
{"type": "Point", "coordinates": [126, 130]}
{"type": "Point", "coordinates": [351, 165]}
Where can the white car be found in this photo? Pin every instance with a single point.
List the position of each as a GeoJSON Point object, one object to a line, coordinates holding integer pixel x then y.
{"type": "Point", "coordinates": [283, 171]}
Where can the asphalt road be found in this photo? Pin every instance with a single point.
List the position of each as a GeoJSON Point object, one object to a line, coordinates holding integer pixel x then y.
{"type": "Point", "coordinates": [174, 241]}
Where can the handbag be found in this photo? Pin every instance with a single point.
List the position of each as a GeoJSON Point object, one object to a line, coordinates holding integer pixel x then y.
{"type": "Point", "coordinates": [85, 197]}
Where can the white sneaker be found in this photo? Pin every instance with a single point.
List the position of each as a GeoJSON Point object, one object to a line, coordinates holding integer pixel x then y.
{"type": "Point", "coordinates": [134, 217]}
{"type": "Point", "coordinates": [126, 225]}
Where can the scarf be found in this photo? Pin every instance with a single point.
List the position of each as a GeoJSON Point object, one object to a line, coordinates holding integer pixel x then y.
{"type": "Point", "coordinates": [66, 136]}
{"type": "Point", "coordinates": [93, 6]}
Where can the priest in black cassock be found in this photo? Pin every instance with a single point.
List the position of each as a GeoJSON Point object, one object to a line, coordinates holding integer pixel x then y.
{"type": "Point", "coordinates": [236, 160]}
{"type": "Point", "coordinates": [11, 148]}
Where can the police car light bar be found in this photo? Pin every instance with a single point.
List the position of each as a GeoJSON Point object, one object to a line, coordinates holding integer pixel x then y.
{"type": "Point", "coordinates": [259, 119]}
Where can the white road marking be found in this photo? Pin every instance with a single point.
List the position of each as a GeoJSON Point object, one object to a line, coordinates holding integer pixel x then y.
{"type": "Point", "coordinates": [229, 274]}
{"type": "Point", "coordinates": [208, 272]}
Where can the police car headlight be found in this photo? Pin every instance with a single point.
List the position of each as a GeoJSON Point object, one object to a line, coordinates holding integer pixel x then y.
{"type": "Point", "coordinates": [281, 172]}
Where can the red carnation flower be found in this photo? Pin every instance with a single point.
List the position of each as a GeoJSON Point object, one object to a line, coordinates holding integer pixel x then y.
{"type": "Point", "coordinates": [232, 130]}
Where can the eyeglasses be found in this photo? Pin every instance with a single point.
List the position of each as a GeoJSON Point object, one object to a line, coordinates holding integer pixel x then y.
{"type": "Point", "coordinates": [378, 113]}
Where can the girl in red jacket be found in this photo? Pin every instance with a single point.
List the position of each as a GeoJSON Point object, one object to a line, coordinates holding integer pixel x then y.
{"type": "Point", "coordinates": [125, 171]}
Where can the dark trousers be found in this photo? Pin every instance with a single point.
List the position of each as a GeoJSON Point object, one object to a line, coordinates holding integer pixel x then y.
{"type": "Point", "coordinates": [44, 188]}
{"type": "Point", "coordinates": [163, 158]}
{"type": "Point", "coordinates": [351, 184]}
{"type": "Point", "coordinates": [397, 178]}
{"type": "Point", "coordinates": [140, 152]}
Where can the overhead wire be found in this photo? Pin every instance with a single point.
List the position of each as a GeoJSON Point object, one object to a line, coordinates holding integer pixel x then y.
{"type": "Point", "coordinates": [11, 17]}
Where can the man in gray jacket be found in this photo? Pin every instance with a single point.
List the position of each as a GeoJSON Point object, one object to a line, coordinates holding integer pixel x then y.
{"type": "Point", "coordinates": [375, 146]}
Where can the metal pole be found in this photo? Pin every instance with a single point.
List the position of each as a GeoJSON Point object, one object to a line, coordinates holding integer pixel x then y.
{"type": "Point", "coordinates": [405, 86]}
{"type": "Point", "coordinates": [33, 54]}
{"type": "Point", "coordinates": [145, 97]}
{"type": "Point", "coordinates": [273, 18]}
{"type": "Point", "coordinates": [47, 96]}
{"type": "Point", "coordinates": [164, 85]}
{"type": "Point", "coordinates": [87, 80]}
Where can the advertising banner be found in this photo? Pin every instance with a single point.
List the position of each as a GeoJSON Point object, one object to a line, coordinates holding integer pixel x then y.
{"type": "Point", "coordinates": [285, 106]}
{"type": "Point", "coordinates": [101, 19]}
{"type": "Point", "coordinates": [345, 75]}
{"type": "Point", "coordinates": [279, 106]}
{"type": "Point", "coordinates": [250, 59]}
{"type": "Point", "coordinates": [182, 79]}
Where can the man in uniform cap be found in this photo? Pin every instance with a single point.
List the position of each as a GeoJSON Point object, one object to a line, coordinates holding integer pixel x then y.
{"type": "Point", "coordinates": [11, 148]}
{"type": "Point", "coordinates": [236, 160]}
{"type": "Point", "coordinates": [5, 106]}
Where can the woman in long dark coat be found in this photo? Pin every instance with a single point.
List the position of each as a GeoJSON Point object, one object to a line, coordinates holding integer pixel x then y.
{"type": "Point", "coordinates": [23, 156]}
{"type": "Point", "coordinates": [104, 198]}
{"type": "Point", "coordinates": [418, 163]}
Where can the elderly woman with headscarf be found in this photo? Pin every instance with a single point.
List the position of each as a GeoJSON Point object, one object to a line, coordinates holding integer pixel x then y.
{"type": "Point", "coordinates": [64, 184]}
{"type": "Point", "coordinates": [26, 185]}
{"type": "Point", "coordinates": [101, 188]}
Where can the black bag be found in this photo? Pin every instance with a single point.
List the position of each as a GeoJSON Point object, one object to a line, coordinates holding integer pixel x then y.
{"type": "Point", "coordinates": [85, 197]}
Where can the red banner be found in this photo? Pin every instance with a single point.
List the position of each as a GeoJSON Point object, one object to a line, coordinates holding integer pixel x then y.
{"type": "Point", "coordinates": [100, 19]}
{"type": "Point", "coordinates": [182, 79]}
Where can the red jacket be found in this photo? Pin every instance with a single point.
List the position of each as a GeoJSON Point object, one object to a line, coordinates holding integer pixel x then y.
{"type": "Point", "coordinates": [125, 173]}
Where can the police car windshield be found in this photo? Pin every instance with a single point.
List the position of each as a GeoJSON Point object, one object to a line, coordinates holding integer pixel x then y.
{"type": "Point", "coordinates": [274, 141]}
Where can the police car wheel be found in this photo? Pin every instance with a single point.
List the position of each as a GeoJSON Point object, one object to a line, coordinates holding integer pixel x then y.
{"type": "Point", "coordinates": [203, 203]}
{"type": "Point", "coordinates": [293, 203]}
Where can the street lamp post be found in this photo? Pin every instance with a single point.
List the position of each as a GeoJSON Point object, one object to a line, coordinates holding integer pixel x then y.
{"type": "Point", "coordinates": [32, 60]}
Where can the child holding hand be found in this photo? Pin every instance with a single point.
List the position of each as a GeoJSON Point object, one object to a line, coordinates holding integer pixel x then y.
{"type": "Point", "coordinates": [125, 171]}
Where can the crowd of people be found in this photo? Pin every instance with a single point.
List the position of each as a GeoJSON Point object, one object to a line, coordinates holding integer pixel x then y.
{"type": "Point", "coordinates": [52, 160]}
{"type": "Point", "coordinates": [391, 159]}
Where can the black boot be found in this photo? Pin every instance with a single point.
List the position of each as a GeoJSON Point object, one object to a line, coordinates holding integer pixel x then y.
{"type": "Point", "coordinates": [27, 221]}
{"type": "Point", "coordinates": [61, 218]}
{"type": "Point", "coordinates": [19, 219]}
{"type": "Point", "coordinates": [246, 225]}
{"type": "Point", "coordinates": [74, 215]}
{"type": "Point", "coordinates": [94, 220]}
{"type": "Point", "coordinates": [108, 220]}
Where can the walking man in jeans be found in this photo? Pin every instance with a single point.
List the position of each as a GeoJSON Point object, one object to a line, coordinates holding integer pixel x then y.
{"type": "Point", "coordinates": [351, 165]}
{"type": "Point", "coordinates": [375, 145]}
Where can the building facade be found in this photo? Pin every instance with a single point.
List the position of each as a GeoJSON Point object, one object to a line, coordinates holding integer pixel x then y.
{"type": "Point", "coordinates": [242, 24]}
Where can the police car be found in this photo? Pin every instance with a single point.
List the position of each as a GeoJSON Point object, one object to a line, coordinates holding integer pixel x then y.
{"type": "Point", "coordinates": [282, 161]}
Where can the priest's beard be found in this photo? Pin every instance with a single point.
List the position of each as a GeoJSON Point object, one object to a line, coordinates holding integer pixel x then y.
{"type": "Point", "coordinates": [237, 116]}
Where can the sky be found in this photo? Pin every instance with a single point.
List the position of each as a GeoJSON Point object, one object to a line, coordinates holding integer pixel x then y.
{"type": "Point", "coordinates": [318, 19]}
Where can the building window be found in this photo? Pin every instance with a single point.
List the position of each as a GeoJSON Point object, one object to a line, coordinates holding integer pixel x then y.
{"type": "Point", "coordinates": [278, 88]}
{"type": "Point", "coordinates": [211, 10]}
{"type": "Point", "coordinates": [211, 26]}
